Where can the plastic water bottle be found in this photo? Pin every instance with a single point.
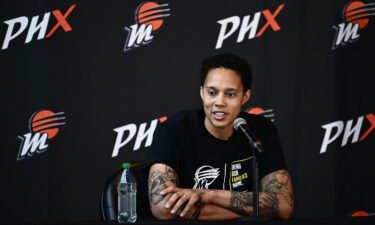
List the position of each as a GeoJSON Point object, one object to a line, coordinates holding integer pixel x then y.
{"type": "Point", "coordinates": [126, 192]}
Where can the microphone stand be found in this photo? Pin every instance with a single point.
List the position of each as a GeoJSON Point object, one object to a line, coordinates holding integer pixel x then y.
{"type": "Point", "coordinates": [255, 186]}
{"type": "Point", "coordinates": [255, 178]}
{"type": "Point", "coordinates": [256, 150]}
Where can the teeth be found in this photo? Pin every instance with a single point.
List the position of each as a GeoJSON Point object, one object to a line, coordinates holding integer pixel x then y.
{"type": "Point", "coordinates": [219, 113]}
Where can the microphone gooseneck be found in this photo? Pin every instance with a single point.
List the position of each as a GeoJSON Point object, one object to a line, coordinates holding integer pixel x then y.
{"type": "Point", "coordinates": [241, 125]}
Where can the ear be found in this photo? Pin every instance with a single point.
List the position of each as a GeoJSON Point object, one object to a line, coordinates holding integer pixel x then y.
{"type": "Point", "coordinates": [201, 92]}
{"type": "Point", "coordinates": [246, 96]}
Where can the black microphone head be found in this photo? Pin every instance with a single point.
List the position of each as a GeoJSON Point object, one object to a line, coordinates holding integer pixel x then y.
{"type": "Point", "coordinates": [238, 122]}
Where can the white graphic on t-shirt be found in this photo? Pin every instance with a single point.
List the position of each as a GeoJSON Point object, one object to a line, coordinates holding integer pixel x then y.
{"type": "Point", "coordinates": [225, 175]}
{"type": "Point", "coordinates": [204, 176]}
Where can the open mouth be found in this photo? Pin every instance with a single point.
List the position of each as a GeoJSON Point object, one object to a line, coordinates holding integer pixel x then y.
{"type": "Point", "coordinates": [219, 115]}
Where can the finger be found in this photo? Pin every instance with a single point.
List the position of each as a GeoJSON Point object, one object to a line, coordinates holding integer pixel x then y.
{"type": "Point", "coordinates": [187, 215]}
{"type": "Point", "coordinates": [189, 206]}
{"type": "Point", "coordinates": [168, 190]}
{"type": "Point", "coordinates": [179, 204]}
{"type": "Point", "coordinates": [172, 200]}
{"type": "Point", "coordinates": [179, 211]}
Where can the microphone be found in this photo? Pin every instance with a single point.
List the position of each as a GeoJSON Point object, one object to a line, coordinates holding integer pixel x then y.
{"type": "Point", "coordinates": [241, 125]}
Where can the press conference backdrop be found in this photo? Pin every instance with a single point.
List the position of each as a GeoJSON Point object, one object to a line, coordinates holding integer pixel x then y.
{"type": "Point", "coordinates": [84, 84]}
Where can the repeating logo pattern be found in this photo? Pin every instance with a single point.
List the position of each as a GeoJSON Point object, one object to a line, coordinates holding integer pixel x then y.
{"type": "Point", "coordinates": [44, 125]}
{"type": "Point", "coordinates": [140, 133]}
{"type": "Point", "coordinates": [335, 129]}
{"type": "Point", "coordinates": [356, 16]}
{"type": "Point", "coordinates": [18, 25]}
{"type": "Point", "coordinates": [149, 17]}
{"type": "Point", "coordinates": [247, 26]}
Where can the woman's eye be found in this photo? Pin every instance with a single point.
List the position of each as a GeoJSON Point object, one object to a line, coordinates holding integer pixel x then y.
{"type": "Point", "coordinates": [231, 94]}
{"type": "Point", "coordinates": [211, 93]}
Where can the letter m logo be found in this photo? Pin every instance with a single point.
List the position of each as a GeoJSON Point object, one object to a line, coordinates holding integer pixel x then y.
{"type": "Point", "coordinates": [31, 144]}
{"type": "Point", "coordinates": [345, 32]}
{"type": "Point", "coordinates": [138, 35]}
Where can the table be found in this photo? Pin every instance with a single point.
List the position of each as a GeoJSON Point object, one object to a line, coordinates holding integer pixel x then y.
{"type": "Point", "coordinates": [365, 220]}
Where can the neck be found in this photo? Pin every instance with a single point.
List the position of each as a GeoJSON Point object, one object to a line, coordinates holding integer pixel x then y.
{"type": "Point", "coordinates": [223, 133]}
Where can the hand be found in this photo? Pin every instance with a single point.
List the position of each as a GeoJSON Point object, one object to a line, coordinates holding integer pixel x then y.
{"type": "Point", "coordinates": [185, 202]}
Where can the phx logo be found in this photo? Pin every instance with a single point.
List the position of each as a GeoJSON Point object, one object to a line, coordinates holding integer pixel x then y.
{"type": "Point", "coordinates": [140, 133]}
{"type": "Point", "coordinates": [349, 130]}
{"type": "Point", "coordinates": [247, 26]}
{"type": "Point", "coordinates": [44, 126]}
{"type": "Point", "coordinates": [149, 18]}
{"type": "Point", "coordinates": [356, 16]}
{"type": "Point", "coordinates": [35, 26]}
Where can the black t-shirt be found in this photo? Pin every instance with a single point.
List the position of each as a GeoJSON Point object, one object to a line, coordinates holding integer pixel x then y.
{"type": "Point", "coordinates": [203, 161]}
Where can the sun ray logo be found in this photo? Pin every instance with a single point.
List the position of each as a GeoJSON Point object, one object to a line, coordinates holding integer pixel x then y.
{"type": "Point", "coordinates": [259, 111]}
{"type": "Point", "coordinates": [205, 176]}
{"type": "Point", "coordinates": [149, 18]}
{"type": "Point", "coordinates": [356, 17]}
{"type": "Point", "coordinates": [44, 126]}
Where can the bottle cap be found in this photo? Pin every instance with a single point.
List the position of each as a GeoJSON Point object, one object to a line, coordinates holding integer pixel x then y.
{"type": "Point", "coordinates": [126, 165]}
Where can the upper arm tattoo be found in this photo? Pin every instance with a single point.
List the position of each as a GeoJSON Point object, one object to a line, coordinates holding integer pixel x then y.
{"type": "Point", "coordinates": [279, 183]}
{"type": "Point", "coordinates": [268, 205]}
{"type": "Point", "coordinates": [157, 182]}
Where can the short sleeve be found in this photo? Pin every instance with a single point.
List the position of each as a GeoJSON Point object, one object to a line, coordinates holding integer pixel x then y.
{"type": "Point", "coordinates": [164, 149]}
{"type": "Point", "coordinates": [273, 158]}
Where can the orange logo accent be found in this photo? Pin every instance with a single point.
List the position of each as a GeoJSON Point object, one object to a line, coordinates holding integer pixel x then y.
{"type": "Point", "coordinates": [259, 111]}
{"type": "Point", "coordinates": [271, 20]}
{"type": "Point", "coordinates": [256, 110]}
{"type": "Point", "coordinates": [355, 12]}
{"type": "Point", "coordinates": [61, 20]}
{"type": "Point", "coordinates": [150, 13]}
{"type": "Point", "coordinates": [371, 119]}
{"type": "Point", "coordinates": [162, 119]}
{"type": "Point", "coordinates": [46, 121]}
{"type": "Point", "coordinates": [360, 213]}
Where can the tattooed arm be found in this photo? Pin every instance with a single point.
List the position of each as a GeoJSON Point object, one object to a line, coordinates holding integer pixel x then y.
{"type": "Point", "coordinates": [167, 201]}
{"type": "Point", "coordinates": [277, 188]}
{"type": "Point", "coordinates": [275, 198]}
{"type": "Point", "coordinates": [160, 177]}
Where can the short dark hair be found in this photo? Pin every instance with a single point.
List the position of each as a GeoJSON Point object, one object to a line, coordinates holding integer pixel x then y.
{"type": "Point", "coordinates": [229, 61]}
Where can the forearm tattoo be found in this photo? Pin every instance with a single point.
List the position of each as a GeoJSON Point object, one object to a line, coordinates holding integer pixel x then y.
{"type": "Point", "coordinates": [241, 202]}
{"type": "Point", "coordinates": [157, 182]}
{"type": "Point", "coordinates": [274, 185]}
